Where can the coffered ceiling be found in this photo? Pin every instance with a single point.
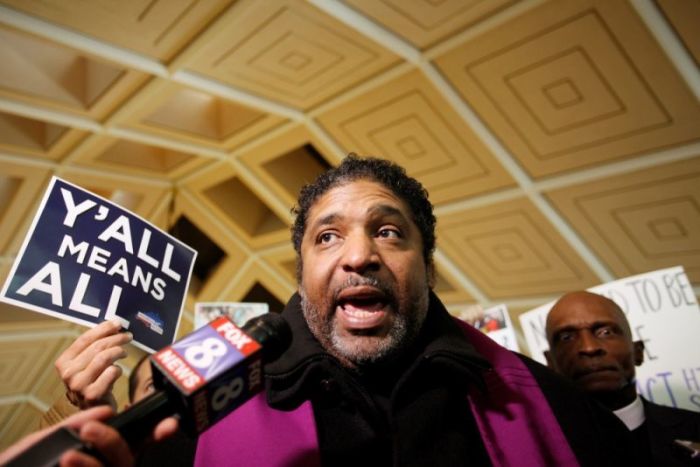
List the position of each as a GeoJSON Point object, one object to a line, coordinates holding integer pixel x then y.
{"type": "Point", "coordinates": [559, 140]}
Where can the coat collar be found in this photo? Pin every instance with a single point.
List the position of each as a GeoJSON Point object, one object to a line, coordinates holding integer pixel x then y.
{"type": "Point", "coordinates": [290, 378]}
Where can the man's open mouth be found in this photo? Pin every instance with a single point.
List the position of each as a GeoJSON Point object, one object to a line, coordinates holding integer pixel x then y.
{"type": "Point", "coordinates": [361, 307]}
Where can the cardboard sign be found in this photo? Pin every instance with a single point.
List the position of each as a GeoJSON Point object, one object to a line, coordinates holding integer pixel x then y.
{"type": "Point", "coordinates": [663, 312]}
{"type": "Point", "coordinates": [238, 312]}
{"type": "Point", "coordinates": [496, 324]}
{"type": "Point", "coordinates": [87, 260]}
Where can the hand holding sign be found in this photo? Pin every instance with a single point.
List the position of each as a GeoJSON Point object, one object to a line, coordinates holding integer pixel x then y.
{"type": "Point", "coordinates": [87, 366]}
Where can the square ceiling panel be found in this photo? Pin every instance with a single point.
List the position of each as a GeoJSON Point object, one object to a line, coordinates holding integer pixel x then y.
{"type": "Point", "coordinates": [426, 22]}
{"type": "Point", "coordinates": [136, 158]}
{"type": "Point", "coordinates": [287, 51]}
{"type": "Point", "coordinates": [208, 231]}
{"type": "Point", "coordinates": [641, 221]}
{"type": "Point", "coordinates": [296, 168]}
{"type": "Point", "coordinates": [21, 188]}
{"type": "Point", "coordinates": [288, 161]}
{"type": "Point", "coordinates": [153, 28]}
{"type": "Point", "coordinates": [209, 254]}
{"type": "Point", "coordinates": [222, 191]}
{"type": "Point", "coordinates": [407, 121]}
{"type": "Point", "coordinates": [37, 138]}
{"type": "Point", "coordinates": [40, 72]}
{"type": "Point", "coordinates": [574, 84]}
{"type": "Point", "coordinates": [283, 261]}
{"type": "Point", "coordinates": [510, 249]}
{"type": "Point", "coordinates": [192, 116]}
{"type": "Point", "coordinates": [235, 198]}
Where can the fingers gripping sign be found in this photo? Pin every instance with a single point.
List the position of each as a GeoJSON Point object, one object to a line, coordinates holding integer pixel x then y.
{"type": "Point", "coordinates": [87, 367]}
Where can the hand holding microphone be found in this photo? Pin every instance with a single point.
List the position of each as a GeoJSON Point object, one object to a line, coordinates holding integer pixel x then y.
{"type": "Point", "coordinates": [201, 378]}
{"type": "Point", "coordinates": [207, 374]}
{"type": "Point", "coordinates": [89, 424]}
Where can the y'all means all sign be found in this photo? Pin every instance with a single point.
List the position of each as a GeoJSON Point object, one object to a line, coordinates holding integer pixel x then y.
{"type": "Point", "coordinates": [87, 260]}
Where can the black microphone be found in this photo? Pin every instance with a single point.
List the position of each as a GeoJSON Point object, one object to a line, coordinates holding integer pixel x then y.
{"type": "Point", "coordinates": [201, 378]}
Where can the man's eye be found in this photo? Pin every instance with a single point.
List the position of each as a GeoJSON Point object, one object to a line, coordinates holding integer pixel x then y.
{"type": "Point", "coordinates": [389, 233]}
{"type": "Point", "coordinates": [326, 237]}
{"type": "Point", "coordinates": [565, 337]}
{"type": "Point", "coordinates": [605, 331]}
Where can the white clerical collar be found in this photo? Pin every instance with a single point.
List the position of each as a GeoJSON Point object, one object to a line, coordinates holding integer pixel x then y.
{"type": "Point", "coordinates": [632, 415]}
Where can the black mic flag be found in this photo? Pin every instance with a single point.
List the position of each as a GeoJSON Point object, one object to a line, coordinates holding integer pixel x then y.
{"type": "Point", "coordinates": [202, 378]}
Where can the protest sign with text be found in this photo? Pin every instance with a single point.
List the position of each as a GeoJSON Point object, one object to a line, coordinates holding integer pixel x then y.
{"type": "Point", "coordinates": [495, 322]}
{"type": "Point", "coordinates": [87, 260]}
{"type": "Point", "coordinates": [238, 312]}
{"type": "Point", "coordinates": [662, 311]}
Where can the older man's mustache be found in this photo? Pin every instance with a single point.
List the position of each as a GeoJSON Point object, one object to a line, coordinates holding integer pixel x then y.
{"type": "Point", "coordinates": [367, 281]}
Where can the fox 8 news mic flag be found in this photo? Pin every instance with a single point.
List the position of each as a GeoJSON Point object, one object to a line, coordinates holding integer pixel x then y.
{"type": "Point", "coordinates": [215, 369]}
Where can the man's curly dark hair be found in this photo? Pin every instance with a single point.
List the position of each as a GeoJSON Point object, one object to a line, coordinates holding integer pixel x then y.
{"type": "Point", "coordinates": [382, 171]}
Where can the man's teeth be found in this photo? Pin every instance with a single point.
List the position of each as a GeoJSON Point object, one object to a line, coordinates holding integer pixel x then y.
{"type": "Point", "coordinates": [358, 313]}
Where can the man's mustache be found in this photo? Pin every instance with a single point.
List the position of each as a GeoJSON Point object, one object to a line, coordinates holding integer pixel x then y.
{"type": "Point", "coordinates": [367, 281]}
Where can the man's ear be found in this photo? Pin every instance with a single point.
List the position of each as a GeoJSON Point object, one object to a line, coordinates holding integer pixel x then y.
{"type": "Point", "coordinates": [548, 357]}
{"type": "Point", "coordinates": [638, 352]}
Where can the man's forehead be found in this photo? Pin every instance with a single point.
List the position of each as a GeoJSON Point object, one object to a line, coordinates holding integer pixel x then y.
{"type": "Point", "coordinates": [376, 198]}
{"type": "Point", "coordinates": [375, 210]}
{"type": "Point", "coordinates": [577, 324]}
{"type": "Point", "coordinates": [583, 310]}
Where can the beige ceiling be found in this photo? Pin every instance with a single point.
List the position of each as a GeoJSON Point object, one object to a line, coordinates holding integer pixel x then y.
{"type": "Point", "coordinates": [559, 140]}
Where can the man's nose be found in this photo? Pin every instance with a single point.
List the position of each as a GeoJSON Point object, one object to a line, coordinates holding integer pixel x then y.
{"type": "Point", "coordinates": [359, 254]}
{"type": "Point", "coordinates": [589, 344]}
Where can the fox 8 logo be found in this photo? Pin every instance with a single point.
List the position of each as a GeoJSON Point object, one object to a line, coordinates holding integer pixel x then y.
{"type": "Point", "coordinates": [206, 356]}
{"type": "Point", "coordinates": [203, 355]}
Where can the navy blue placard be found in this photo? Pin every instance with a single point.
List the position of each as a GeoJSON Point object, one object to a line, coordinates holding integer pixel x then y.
{"type": "Point", "coordinates": [85, 260]}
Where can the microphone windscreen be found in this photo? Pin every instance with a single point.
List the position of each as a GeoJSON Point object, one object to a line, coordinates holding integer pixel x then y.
{"type": "Point", "coordinates": [272, 332]}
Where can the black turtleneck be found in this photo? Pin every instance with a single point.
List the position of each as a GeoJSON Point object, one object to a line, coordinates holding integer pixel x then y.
{"type": "Point", "coordinates": [410, 411]}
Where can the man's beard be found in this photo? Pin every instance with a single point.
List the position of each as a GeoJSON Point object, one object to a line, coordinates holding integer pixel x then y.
{"type": "Point", "coordinates": [366, 349]}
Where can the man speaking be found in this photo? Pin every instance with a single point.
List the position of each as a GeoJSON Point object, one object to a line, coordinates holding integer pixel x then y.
{"type": "Point", "coordinates": [378, 372]}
